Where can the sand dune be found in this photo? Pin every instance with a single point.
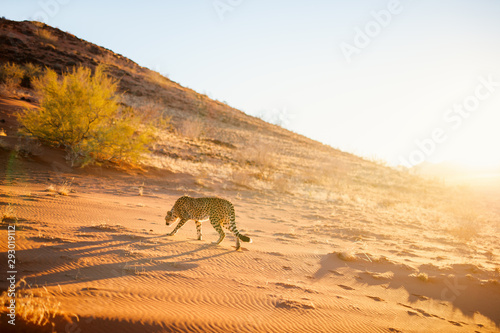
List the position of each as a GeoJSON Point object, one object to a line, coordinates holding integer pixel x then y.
{"type": "Point", "coordinates": [101, 251]}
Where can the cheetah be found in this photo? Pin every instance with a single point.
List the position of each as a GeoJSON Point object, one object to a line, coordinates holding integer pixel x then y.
{"type": "Point", "coordinates": [218, 210]}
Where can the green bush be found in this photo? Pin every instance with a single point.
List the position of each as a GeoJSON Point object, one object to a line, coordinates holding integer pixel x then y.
{"type": "Point", "coordinates": [80, 112]}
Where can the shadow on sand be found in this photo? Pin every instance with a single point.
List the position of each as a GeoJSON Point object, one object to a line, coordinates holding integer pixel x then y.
{"type": "Point", "coordinates": [462, 285]}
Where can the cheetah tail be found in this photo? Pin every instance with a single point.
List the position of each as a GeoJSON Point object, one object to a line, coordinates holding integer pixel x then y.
{"type": "Point", "coordinates": [244, 238]}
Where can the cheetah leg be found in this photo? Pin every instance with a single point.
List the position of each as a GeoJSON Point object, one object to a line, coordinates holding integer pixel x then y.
{"type": "Point", "coordinates": [177, 227]}
{"type": "Point", "coordinates": [198, 229]}
{"type": "Point", "coordinates": [233, 229]}
{"type": "Point", "coordinates": [217, 227]}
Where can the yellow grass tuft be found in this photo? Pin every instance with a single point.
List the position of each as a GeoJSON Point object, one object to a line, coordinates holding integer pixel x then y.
{"type": "Point", "coordinates": [192, 129]}
{"type": "Point", "coordinates": [38, 307]}
{"type": "Point", "coordinates": [421, 276]}
{"type": "Point", "coordinates": [64, 189]}
{"type": "Point", "coordinates": [46, 35]}
{"type": "Point", "coordinates": [51, 188]}
{"type": "Point", "coordinates": [8, 213]}
{"type": "Point", "coordinates": [108, 227]}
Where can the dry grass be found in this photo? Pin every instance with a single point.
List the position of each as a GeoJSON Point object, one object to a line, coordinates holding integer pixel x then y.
{"type": "Point", "coordinates": [11, 76]}
{"type": "Point", "coordinates": [134, 269]}
{"type": "Point", "coordinates": [282, 183]}
{"type": "Point", "coordinates": [242, 178]}
{"type": "Point", "coordinates": [465, 221]}
{"type": "Point", "coordinates": [150, 112]}
{"type": "Point", "coordinates": [421, 276]}
{"type": "Point", "coordinates": [157, 78]}
{"type": "Point", "coordinates": [51, 189]}
{"type": "Point", "coordinates": [46, 35]}
{"type": "Point", "coordinates": [8, 213]}
{"type": "Point", "coordinates": [192, 129]}
{"type": "Point", "coordinates": [37, 306]}
{"type": "Point", "coordinates": [107, 227]}
{"type": "Point", "coordinates": [261, 158]}
{"type": "Point", "coordinates": [64, 189]}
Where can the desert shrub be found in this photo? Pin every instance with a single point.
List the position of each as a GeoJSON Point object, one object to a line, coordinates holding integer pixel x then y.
{"type": "Point", "coordinates": [31, 72]}
{"type": "Point", "coordinates": [46, 35]}
{"type": "Point", "coordinates": [242, 178]}
{"type": "Point", "coordinates": [281, 183]}
{"type": "Point", "coordinates": [11, 75]}
{"type": "Point", "coordinates": [80, 112]}
{"type": "Point", "coordinates": [192, 129]}
{"type": "Point", "coordinates": [156, 114]}
{"type": "Point", "coordinates": [260, 156]}
{"type": "Point", "coordinates": [36, 306]}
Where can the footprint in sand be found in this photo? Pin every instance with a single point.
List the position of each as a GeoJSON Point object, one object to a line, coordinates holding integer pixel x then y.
{"type": "Point", "coordinates": [395, 330]}
{"type": "Point", "coordinates": [335, 272]}
{"type": "Point", "coordinates": [420, 297]}
{"type": "Point", "coordinates": [345, 287]}
{"type": "Point", "coordinates": [375, 298]}
{"type": "Point", "coordinates": [454, 323]}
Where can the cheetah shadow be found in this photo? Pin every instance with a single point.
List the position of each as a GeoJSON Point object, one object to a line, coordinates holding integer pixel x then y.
{"type": "Point", "coordinates": [65, 263]}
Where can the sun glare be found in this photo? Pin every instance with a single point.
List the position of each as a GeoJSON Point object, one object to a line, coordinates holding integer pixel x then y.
{"type": "Point", "coordinates": [473, 148]}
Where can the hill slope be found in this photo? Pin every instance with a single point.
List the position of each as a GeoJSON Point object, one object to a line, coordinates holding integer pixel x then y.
{"type": "Point", "coordinates": [340, 243]}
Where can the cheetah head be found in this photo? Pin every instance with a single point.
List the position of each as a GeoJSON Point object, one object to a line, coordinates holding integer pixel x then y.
{"type": "Point", "coordinates": [170, 218]}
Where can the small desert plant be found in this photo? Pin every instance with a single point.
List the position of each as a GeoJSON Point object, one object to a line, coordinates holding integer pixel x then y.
{"type": "Point", "coordinates": [65, 188]}
{"type": "Point", "coordinates": [46, 35]}
{"type": "Point", "coordinates": [38, 24]}
{"type": "Point", "coordinates": [8, 213]}
{"type": "Point", "coordinates": [31, 72]}
{"type": "Point", "coordinates": [261, 156]}
{"type": "Point", "coordinates": [466, 222]}
{"type": "Point", "coordinates": [281, 184]}
{"type": "Point", "coordinates": [242, 178]}
{"type": "Point", "coordinates": [422, 277]}
{"type": "Point", "coordinates": [11, 75]}
{"type": "Point", "coordinates": [154, 113]}
{"type": "Point", "coordinates": [108, 227]}
{"type": "Point", "coordinates": [38, 307]}
{"type": "Point", "coordinates": [157, 78]}
{"type": "Point", "coordinates": [192, 129]}
{"type": "Point", "coordinates": [51, 188]}
{"type": "Point", "coordinates": [80, 112]}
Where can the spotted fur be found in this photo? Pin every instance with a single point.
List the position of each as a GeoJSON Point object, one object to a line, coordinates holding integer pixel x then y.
{"type": "Point", "coordinates": [219, 211]}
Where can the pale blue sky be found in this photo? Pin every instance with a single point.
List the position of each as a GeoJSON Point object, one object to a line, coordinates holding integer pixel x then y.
{"type": "Point", "coordinates": [285, 57]}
